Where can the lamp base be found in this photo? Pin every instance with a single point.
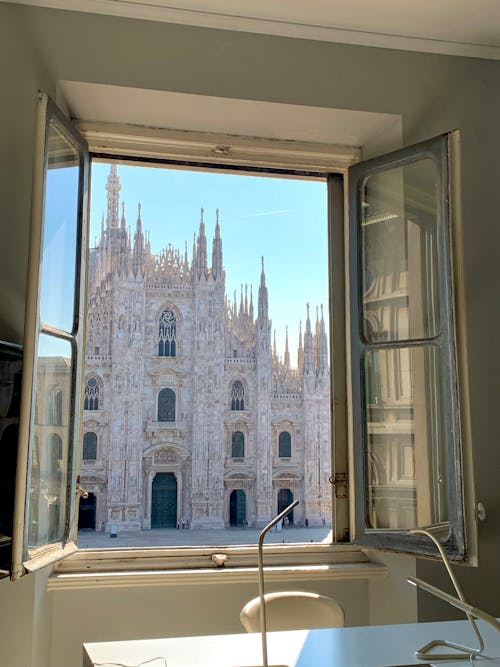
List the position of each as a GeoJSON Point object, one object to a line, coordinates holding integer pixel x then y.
{"type": "Point", "coordinates": [460, 652]}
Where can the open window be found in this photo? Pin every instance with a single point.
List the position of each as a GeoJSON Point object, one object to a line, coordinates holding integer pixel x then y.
{"type": "Point", "coordinates": [397, 357]}
{"type": "Point", "coordinates": [409, 402]}
{"type": "Point", "coordinates": [49, 429]}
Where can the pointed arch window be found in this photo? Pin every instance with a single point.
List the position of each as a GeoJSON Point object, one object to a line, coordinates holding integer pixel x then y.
{"type": "Point", "coordinates": [89, 446]}
{"type": "Point", "coordinates": [237, 396]}
{"type": "Point", "coordinates": [238, 445]}
{"type": "Point", "coordinates": [166, 405]}
{"type": "Point", "coordinates": [53, 407]}
{"type": "Point", "coordinates": [91, 399]}
{"type": "Point", "coordinates": [167, 336]}
{"type": "Point", "coordinates": [55, 452]}
{"type": "Point", "coordinates": [285, 445]}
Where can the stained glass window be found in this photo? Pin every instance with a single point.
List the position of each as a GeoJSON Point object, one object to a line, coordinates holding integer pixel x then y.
{"type": "Point", "coordinates": [237, 396]}
{"type": "Point", "coordinates": [285, 444]}
{"type": "Point", "coordinates": [167, 334]}
{"type": "Point", "coordinates": [166, 405]}
{"type": "Point", "coordinates": [238, 445]}
{"type": "Point", "coordinates": [91, 400]}
{"type": "Point", "coordinates": [89, 446]}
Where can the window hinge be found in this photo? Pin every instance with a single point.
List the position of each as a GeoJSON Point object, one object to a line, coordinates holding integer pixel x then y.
{"type": "Point", "coordinates": [340, 484]}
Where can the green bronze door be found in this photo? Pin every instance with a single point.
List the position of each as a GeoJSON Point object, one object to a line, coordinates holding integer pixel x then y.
{"type": "Point", "coordinates": [164, 501]}
{"type": "Point", "coordinates": [285, 498]}
{"type": "Point", "coordinates": [237, 508]}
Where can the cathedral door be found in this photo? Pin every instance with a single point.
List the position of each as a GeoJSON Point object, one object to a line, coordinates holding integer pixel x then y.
{"type": "Point", "coordinates": [164, 501]}
{"type": "Point", "coordinates": [86, 512]}
{"type": "Point", "coordinates": [237, 508]}
{"type": "Point", "coordinates": [285, 497]}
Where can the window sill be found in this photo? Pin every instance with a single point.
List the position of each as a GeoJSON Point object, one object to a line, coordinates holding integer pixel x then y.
{"type": "Point", "coordinates": [117, 568]}
{"type": "Point", "coordinates": [126, 579]}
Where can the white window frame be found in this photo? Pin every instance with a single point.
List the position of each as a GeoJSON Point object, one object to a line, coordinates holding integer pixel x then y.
{"type": "Point", "coordinates": [25, 558]}
{"type": "Point", "coordinates": [458, 534]}
{"type": "Point", "coordinates": [114, 142]}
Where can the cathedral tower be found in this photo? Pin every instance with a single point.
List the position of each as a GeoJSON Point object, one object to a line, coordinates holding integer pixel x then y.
{"type": "Point", "coordinates": [208, 384]}
{"type": "Point", "coordinates": [264, 487]}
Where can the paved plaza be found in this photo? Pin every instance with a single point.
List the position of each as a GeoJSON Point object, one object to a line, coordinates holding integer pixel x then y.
{"type": "Point", "coordinates": [169, 537]}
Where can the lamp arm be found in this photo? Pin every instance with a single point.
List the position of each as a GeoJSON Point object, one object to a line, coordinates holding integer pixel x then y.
{"type": "Point", "coordinates": [260, 562]}
{"type": "Point", "coordinates": [453, 578]}
{"type": "Point", "coordinates": [444, 557]}
{"type": "Point", "coordinates": [455, 602]}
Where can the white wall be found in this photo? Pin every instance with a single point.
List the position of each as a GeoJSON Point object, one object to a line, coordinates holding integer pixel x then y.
{"type": "Point", "coordinates": [168, 611]}
{"type": "Point", "coordinates": [39, 47]}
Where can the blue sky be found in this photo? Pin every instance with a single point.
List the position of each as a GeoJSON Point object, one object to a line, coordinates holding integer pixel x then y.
{"type": "Point", "coordinates": [284, 220]}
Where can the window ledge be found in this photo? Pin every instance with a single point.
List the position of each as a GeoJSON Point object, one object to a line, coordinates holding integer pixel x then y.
{"type": "Point", "coordinates": [121, 579]}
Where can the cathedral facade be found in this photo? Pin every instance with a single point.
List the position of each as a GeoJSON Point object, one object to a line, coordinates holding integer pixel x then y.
{"type": "Point", "coordinates": [190, 415]}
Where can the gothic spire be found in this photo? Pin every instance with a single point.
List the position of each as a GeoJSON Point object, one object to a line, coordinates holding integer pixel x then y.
{"type": "Point", "coordinates": [138, 255]}
{"type": "Point", "coordinates": [250, 311]}
{"type": "Point", "coordinates": [286, 358]}
{"type": "Point", "coordinates": [201, 253]}
{"type": "Point", "coordinates": [123, 221]}
{"type": "Point", "coordinates": [113, 188]}
{"type": "Point", "coordinates": [316, 339]}
{"type": "Point", "coordinates": [275, 350]}
{"type": "Point", "coordinates": [194, 254]}
{"type": "Point", "coordinates": [300, 351]}
{"type": "Point", "coordinates": [139, 220]}
{"type": "Point", "coordinates": [322, 346]}
{"type": "Point", "coordinates": [263, 302]}
{"type": "Point", "coordinates": [308, 347]}
{"type": "Point", "coordinates": [217, 250]}
{"type": "Point", "coordinates": [186, 261]}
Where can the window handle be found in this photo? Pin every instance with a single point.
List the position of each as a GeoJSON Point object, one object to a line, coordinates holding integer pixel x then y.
{"type": "Point", "coordinates": [80, 491]}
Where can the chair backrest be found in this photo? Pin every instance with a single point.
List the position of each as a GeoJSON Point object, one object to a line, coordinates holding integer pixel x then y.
{"type": "Point", "coordinates": [293, 610]}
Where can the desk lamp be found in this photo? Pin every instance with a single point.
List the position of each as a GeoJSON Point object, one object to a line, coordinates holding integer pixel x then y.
{"type": "Point", "coordinates": [458, 602]}
{"type": "Point", "coordinates": [260, 556]}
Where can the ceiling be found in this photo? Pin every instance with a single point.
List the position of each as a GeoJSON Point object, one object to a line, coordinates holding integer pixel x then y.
{"type": "Point", "coordinates": [454, 27]}
{"type": "Point", "coordinates": [375, 133]}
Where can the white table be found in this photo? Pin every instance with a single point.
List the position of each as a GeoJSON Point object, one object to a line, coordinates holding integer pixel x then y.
{"type": "Point", "coordinates": [369, 646]}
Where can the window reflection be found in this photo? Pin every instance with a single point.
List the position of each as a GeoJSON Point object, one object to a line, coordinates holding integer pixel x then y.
{"type": "Point", "coordinates": [49, 459]}
{"type": "Point", "coordinates": [57, 289]}
{"type": "Point", "coordinates": [399, 254]}
{"type": "Point", "coordinates": [400, 300]}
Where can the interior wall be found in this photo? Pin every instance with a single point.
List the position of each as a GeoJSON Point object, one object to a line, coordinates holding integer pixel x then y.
{"type": "Point", "coordinates": [169, 611]}
{"type": "Point", "coordinates": [433, 93]}
{"type": "Point", "coordinates": [26, 622]}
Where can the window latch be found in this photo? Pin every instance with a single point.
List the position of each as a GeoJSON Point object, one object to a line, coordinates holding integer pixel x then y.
{"type": "Point", "coordinates": [80, 491]}
{"type": "Point", "coordinates": [340, 484]}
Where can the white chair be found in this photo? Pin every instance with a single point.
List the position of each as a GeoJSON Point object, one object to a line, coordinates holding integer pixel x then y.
{"type": "Point", "coordinates": [293, 610]}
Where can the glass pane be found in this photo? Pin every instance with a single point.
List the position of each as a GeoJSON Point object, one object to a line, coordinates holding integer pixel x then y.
{"type": "Point", "coordinates": [50, 442]}
{"type": "Point", "coordinates": [236, 414]}
{"type": "Point", "coordinates": [59, 232]}
{"type": "Point", "coordinates": [404, 439]}
{"type": "Point", "coordinates": [399, 253]}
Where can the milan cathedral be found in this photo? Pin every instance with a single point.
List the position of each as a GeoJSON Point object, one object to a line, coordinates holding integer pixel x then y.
{"type": "Point", "coordinates": [190, 415]}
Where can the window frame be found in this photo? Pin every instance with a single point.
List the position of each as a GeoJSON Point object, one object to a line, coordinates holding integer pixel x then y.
{"type": "Point", "coordinates": [172, 344]}
{"type": "Point", "coordinates": [144, 145]}
{"type": "Point", "coordinates": [238, 436]}
{"type": "Point", "coordinates": [168, 405]}
{"type": "Point", "coordinates": [24, 558]}
{"type": "Point", "coordinates": [126, 144]}
{"type": "Point", "coordinates": [287, 444]}
{"type": "Point", "coordinates": [86, 445]}
{"type": "Point", "coordinates": [457, 535]}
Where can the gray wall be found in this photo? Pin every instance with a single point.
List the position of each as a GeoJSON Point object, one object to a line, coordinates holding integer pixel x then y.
{"type": "Point", "coordinates": [432, 93]}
